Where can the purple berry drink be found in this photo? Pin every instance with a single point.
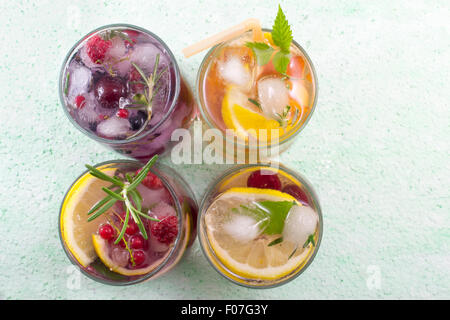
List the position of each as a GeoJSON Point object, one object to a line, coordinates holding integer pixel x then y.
{"type": "Point", "coordinates": [121, 86]}
{"type": "Point", "coordinates": [115, 249]}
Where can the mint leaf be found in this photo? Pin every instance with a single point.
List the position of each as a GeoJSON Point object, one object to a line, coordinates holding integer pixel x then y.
{"type": "Point", "coordinates": [280, 62]}
{"type": "Point", "coordinates": [269, 214]}
{"type": "Point", "coordinates": [277, 212]}
{"type": "Point", "coordinates": [281, 32]}
{"type": "Point", "coordinates": [263, 52]}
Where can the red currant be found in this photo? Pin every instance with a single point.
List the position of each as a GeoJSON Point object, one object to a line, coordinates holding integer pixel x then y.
{"type": "Point", "coordinates": [132, 228]}
{"type": "Point", "coordinates": [106, 231]}
{"type": "Point", "coordinates": [80, 101]}
{"type": "Point", "coordinates": [264, 179]}
{"type": "Point", "coordinates": [139, 257]}
{"type": "Point", "coordinates": [123, 113]}
{"type": "Point", "coordinates": [137, 242]}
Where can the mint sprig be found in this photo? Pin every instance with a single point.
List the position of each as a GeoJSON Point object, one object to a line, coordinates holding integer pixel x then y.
{"type": "Point", "coordinates": [281, 32]}
{"type": "Point", "coordinates": [282, 38]}
{"type": "Point", "coordinates": [269, 214]}
{"type": "Point", "coordinates": [263, 52]}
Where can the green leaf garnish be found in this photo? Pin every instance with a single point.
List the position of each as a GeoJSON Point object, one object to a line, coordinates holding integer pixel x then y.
{"type": "Point", "coordinates": [151, 87]}
{"type": "Point", "coordinates": [110, 34]}
{"type": "Point", "coordinates": [293, 252]}
{"type": "Point", "coordinates": [280, 62]}
{"type": "Point", "coordinates": [309, 240]}
{"type": "Point", "coordinates": [66, 84]}
{"type": "Point", "coordinates": [281, 32]}
{"type": "Point", "coordinates": [140, 98]}
{"type": "Point", "coordinates": [256, 103]}
{"type": "Point", "coordinates": [282, 38]}
{"type": "Point", "coordinates": [276, 241]}
{"type": "Point", "coordinates": [127, 194]}
{"type": "Point", "coordinates": [282, 118]}
{"type": "Point", "coordinates": [263, 52]}
{"type": "Point", "coordinates": [269, 214]}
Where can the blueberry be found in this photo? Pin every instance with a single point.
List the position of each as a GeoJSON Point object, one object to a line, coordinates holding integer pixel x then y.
{"type": "Point", "coordinates": [138, 120]}
{"type": "Point", "coordinates": [93, 126]}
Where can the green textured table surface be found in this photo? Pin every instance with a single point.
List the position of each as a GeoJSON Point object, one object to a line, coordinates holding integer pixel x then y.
{"type": "Point", "coordinates": [376, 149]}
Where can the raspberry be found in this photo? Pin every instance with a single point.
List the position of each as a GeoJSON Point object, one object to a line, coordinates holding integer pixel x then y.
{"type": "Point", "coordinates": [151, 181]}
{"type": "Point", "coordinates": [80, 101]}
{"type": "Point", "coordinates": [166, 230]}
{"type": "Point", "coordinates": [96, 49]}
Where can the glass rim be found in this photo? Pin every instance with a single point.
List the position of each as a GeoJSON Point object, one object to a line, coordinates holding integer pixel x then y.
{"type": "Point", "coordinates": [296, 175]}
{"type": "Point", "coordinates": [296, 130]}
{"type": "Point", "coordinates": [156, 126]}
{"type": "Point", "coordinates": [147, 276]}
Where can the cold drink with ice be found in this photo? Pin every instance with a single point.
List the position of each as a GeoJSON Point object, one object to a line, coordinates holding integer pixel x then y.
{"type": "Point", "coordinates": [137, 236]}
{"type": "Point", "coordinates": [261, 90]}
{"type": "Point", "coordinates": [121, 86]}
{"type": "Point", "coordinates": [260, 226]}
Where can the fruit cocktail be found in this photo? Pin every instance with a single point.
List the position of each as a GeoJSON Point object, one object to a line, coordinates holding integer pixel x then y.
{"type": "Point", "coordinates": [260, 226]}
{"type": "Point", "coordinates": [122, 223]}
{"type": "Point", "coordinates": [258, 87]}
{"type": "Point", "coordinates": [121, 86]}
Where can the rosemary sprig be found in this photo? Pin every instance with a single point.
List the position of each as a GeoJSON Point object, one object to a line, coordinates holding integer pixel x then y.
{"type": "Point", "coordinates": [276, 241]}
{"type": "Point", "coordinates": [256, 103]}
{"type": "Point", "coordinates": [66, 84]}
{"type": "Point", "coordinates": [282, 118]}
{"type": "Point", "coordinates": [127, 194]}
{"type": "Point", "coordinates": [110, 34]}
{"type": "Point", "coordinates": [144, 101]}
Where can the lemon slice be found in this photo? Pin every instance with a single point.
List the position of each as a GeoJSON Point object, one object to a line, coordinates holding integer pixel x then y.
{"type": "Point", "coordinates": [76, 231]}
{"type": "Point", "coordinates": [253, 259]}
{"type": "Point", "coordinates": [245, 194]}
{"type": "Point", "coordinates": [102, 250]}
{"type": "Point", "coordinates": [242, 119]}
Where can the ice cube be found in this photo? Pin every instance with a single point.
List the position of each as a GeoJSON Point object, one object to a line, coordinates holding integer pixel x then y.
{"type": "Point", "coordinates": [162, 209]}
{"type": "Point", "coordinates": [123, 67]}
{"type": "Point", "coordinates": [150, 197]}
{"type": "Point", "coordinates": [117, 50]}
{"type": "Point", "coordinates": [120, 256]}
{"type": "Point", "coordinates": [299, 224]}
{"type": "Point", "coordinates": [117, 57]}
{"type": "Point", "coordinates": [87, 113]}
{"type": "Point", "coordinates": [80, 79]}
{"type": "Point", "coordinates": [157, 246]}
{"type": "Point", "coordinates": [273, 96]}
{"type": "Point", "coordinates": [242, 228]}
{"type": "Point", "coordinates": [144, 56]}
{"type": "Point", "coordinates": [113, 127]}
{"type": "Point", "coordinates": [234, 71]}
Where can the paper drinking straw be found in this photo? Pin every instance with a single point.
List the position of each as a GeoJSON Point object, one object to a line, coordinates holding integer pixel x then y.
{"type": "Point", "coordinates": [233, 32]}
